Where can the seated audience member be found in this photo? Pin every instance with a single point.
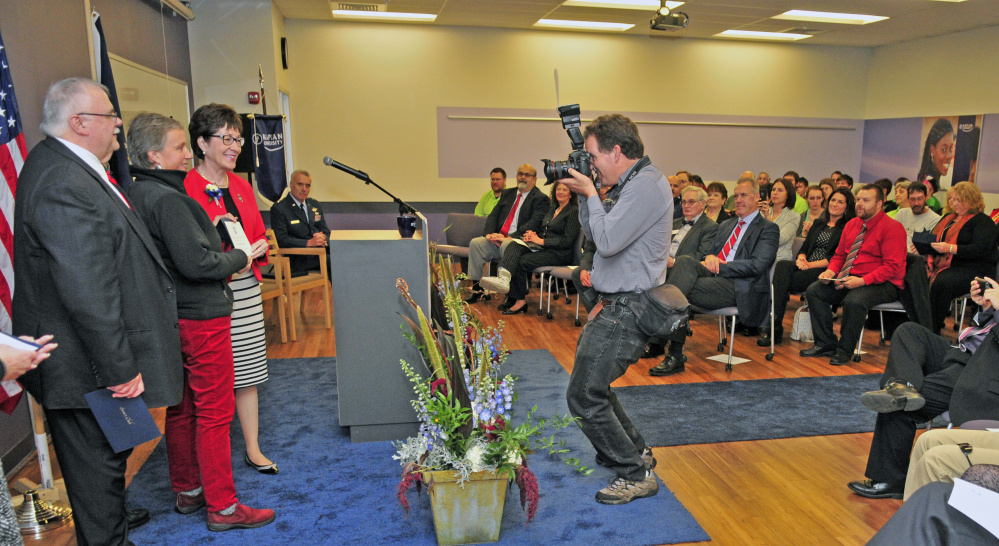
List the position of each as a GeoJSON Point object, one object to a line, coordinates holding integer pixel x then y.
{"type": "Point", "coordinates": [519, 210]}
{"type": "Point", "coordinates": [677, 183]}
{"type": "Point", "coordinates": [967, 245]}
{"type": "Point", "coordinates": [717, 196]}
{"type": "Point", "coordinates": [928, 519]}
{"type": "Point", "coordinates": [925, 376]}
{"type": "Point", "coordinates": [816, 201]}
{"type": "Point", "coordinates": [901, 198]}
{"type": "Point", "coordinates": [827, 185]}
{"type": "Point", "coordinates": [932, 202]}
{"type": "Point", "coordinates": [497, 183]}
{"type": "Point", "coordinates": [197, 429]}
{"type": "Point", "coordinates": [813, 258]}
{"type": "Point", "coordinates": [553, 244]}
{"type": "Point", "coordinates": [694, 234]}
{"type": "Point", "coordinates": [835, 177]}
{"type": "Point", "coordinates": [298, 222]}
{"type": "Point", "coordinates": [867, 269]}
{"type": "Point", "coordinates": [845, 181]}
{"type": "Point", "coordinates": [798, 188]}
{"type": "Point", "coordinates": [917, 216]}
{"type": "Point", "coordinates": [886, 187]}
{"type": "Point", "coordinates": [762, 180]}
{"type": "Point", "coordinates": [780, 210]}
{"type": "Point", "coordinates": [696, 180]}
{"type": "Point", "coordinates": [939, 455]}
{"type": "Point", "coordinates": [735, 273]}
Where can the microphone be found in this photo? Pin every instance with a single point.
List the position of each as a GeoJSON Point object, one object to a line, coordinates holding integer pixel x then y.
{"type": "Point", "coordinates": [330, 162]}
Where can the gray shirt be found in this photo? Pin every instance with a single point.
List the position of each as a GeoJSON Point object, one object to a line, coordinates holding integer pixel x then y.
{"type": "Point", "coordinates": [633, 239]}
{"type": "Point", "coordinates": [916, 222]}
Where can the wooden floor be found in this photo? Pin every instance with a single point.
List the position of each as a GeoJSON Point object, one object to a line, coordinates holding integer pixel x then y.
{"type": "Point", "coordinates": [758, 492]}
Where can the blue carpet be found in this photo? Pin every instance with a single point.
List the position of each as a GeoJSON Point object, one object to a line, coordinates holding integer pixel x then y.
{"type": "Point", "coordinates": [762, 409]}
{"type": "Point", "coordinates": [330, 491]}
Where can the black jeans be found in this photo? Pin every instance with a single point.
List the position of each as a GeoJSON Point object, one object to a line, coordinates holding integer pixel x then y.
{"type": "Point", "coordinates": [787, 279]}
{"type": "Point", "coordinates": [856, 303]}
{"type": "Point", "coordinates": [608, 345]}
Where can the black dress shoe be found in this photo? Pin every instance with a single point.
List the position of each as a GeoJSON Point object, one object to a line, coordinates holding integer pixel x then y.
{"type": "Point", "coordinates": [896, 396]}
{"type": "Point", "coordinates": [136, 518]}
{"type": "Point", "coordinates": [507, 303]}
{"type": "Point", "coordinates": [875, 490]}
{"type": "Point", "coordinates": [670, 365]}
{"type": "Point", "coordinates": [840, 358]}
{"type": "Point", "coordinates": [512, 311]}
{"type": "Point", "coordinates": [818, 351]}
{"type": "Point", "coordinates": [778, 338]}
{"type": "Point", "coordinates": [262, 468]}
{"type": "Point", "coordinates": [654, 350]}
{"type": "Point", "coordinates": [474, 296]}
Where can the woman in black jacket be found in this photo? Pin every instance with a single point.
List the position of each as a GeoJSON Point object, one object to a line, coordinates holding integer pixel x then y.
{"type": "Point", "coordinates": [813, 258]}
{"type": "Point", "coordinates": [551, 245]}
{"type": "Point", "coordinates": [197, 430]}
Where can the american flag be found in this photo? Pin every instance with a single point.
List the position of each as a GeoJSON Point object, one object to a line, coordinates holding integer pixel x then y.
{"type": "Point", "coordinates": [12, 154]}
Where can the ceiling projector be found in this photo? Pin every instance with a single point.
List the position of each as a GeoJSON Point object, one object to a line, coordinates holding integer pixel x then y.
{"type": "Point", "coordinates": [664, 20]}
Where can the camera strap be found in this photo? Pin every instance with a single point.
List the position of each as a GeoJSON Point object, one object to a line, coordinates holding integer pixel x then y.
{"type": "Point", "coordinates": [614, 193]}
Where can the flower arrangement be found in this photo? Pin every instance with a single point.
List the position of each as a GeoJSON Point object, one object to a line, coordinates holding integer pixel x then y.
{"type": "Point", "coordinates": [465, 406]}
{"type": "Point", "coordinates": [214, 192]}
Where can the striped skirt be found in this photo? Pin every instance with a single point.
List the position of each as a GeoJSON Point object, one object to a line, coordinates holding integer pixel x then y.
{"type": "Point", "coordinates": [249, 339]}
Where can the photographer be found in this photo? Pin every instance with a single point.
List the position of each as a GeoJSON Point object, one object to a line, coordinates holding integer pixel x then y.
{"type": "Point", "coordinates": [631, 230]}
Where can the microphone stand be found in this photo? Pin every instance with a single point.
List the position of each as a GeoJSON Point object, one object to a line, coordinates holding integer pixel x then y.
{"type": "Point", "coordinates": [404, 208]}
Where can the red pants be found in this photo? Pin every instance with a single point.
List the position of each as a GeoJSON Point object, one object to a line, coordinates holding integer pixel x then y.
{"type": "Point", "coordinates": [197, 429]}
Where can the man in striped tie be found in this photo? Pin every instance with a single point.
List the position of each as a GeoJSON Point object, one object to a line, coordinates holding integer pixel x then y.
{"type": "Point", "coordinates": [735, 272]}
{"type": "Point", "coordinates": [867, 269]}
{"type": "Point", "coordinates": [924, 377]}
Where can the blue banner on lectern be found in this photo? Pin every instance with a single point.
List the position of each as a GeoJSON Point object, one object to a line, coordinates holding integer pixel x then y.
{"type": "Point", "coordinates": [268, 153]}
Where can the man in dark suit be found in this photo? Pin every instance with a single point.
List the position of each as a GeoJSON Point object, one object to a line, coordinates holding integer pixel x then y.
{"type": "Point", "coordinates": [88, 272]}
{"type": "Point", "coordinates": [924, 377]}
{"type": "Point", "coordinates": [298, 222]}
{"type": "Point", "coordinates": [519, 210]}
{"type": "Point", "coordinates": [694, 233]}
{"type": "Point", "coordinates": [735, 271]}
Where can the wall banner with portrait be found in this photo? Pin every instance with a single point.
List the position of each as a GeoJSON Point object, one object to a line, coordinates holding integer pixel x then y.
{"type": "Point", "coordinates": [949, 151]}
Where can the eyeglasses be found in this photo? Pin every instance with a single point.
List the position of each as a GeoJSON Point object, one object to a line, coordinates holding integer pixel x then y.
{"type": "Point", "coordinates": [689, 202]}
{"type": "Point", "coordinates": [228, 140]}
{"type": "Point", "coordinates": [112, 115]}
{"type": "Point", "coordinates": [528, 175]}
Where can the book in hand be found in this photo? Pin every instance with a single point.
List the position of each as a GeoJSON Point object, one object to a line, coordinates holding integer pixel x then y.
{"type": "Point", "coordinates": [232, 233]}
{"type": "Point", "coordinates": [126, 422]}
{"type": "Point", "coordinates": [923, 240]}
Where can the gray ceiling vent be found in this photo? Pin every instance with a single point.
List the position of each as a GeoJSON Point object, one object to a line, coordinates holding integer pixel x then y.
{"type": "Point", "coordinates": [359, 6]}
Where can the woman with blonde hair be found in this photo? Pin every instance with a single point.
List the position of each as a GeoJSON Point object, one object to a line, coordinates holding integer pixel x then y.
{"type": "Point", "coordinates": [966, 248]}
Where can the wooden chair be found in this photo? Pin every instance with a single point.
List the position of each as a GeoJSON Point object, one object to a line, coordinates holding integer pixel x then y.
{"type": "Point", "coordinates": [295, 285]}
{"type": "Point", "coordinates": [274, 289]}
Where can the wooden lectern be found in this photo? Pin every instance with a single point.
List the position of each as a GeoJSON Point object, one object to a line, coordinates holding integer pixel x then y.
{"type": "Point", "coordinates": [374, 395]}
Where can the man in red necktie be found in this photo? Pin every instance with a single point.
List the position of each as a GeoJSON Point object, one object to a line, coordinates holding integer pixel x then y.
{"type": "Point", "coordinates": [867, 269]}
{"type": "Point", "coordinates": [519, 210]}
{"type": "Point", "coordinates": [735, 272]}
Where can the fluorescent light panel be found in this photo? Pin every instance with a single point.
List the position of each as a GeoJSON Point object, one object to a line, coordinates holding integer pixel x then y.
{"type": "Point", "coordinates": [621, 4]}
{"type": "Point", "coordinates": [829, 17]}
{"type": "Point", "coordinates": [352, 15]}
{"type": "Point", "coordinates": [582, 25]}
{"type": "Point", "coordinates": [754, 35]}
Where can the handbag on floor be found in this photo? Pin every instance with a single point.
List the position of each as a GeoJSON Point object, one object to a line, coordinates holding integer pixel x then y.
{"type": "Point", "coordinates": [801, 327]}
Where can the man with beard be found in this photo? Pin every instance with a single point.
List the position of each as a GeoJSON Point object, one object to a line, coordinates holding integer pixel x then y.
{"type": "Point", "coordinates": [519, 210]}
{"type": "Point", "coordinates": [867, 269]}
{"type": "Point", "coordinates": [918, 217]}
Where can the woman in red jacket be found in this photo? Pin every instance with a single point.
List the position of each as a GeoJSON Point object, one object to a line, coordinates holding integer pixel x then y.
{"type": "Point", "coordinates": [216, 134]}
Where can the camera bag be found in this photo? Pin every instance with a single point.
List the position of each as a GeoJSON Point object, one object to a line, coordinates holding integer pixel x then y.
{"type": "Point", "coordinates": [663, 310]}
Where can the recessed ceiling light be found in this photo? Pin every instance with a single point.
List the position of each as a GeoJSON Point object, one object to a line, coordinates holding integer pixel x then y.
{"type": "Point", "coordinates": [829, 17]}
{"type": "Point", "coordinates": [754, 35]}
{"type": "Point", "coordinates": [621, 4]}
{"type": "Point", "coordinates": [582, 25]}
{"type": "Point", "coordinates": [352, 15]}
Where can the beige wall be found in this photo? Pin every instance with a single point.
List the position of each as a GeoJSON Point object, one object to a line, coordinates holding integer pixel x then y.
{"type": "Point", "coordinates": [367, 94]}
{"type": "Point", "coordinates": [947, 75]}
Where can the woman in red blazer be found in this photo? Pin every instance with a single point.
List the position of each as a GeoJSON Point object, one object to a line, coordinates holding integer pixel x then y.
{"type": "Point", "coordinates": [216, 131]}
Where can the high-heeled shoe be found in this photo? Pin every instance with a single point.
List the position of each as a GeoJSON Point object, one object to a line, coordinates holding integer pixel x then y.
{"type": "Point", "coordinates": [512, 311]}
{"type": "Point", "coordinates": [262, 468]}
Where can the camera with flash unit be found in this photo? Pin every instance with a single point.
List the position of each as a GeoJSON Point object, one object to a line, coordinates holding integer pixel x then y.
{"type": "Point", "coordinates": [579, 158]}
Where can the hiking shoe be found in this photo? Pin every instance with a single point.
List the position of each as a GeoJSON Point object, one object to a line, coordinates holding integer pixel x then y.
{"type": "Point", "coordinates": [896, 396]}
{"type": "Point", "coordinates": [243, 518]}
{"type": "Point", "coordinates": [623, 491]}
{"type": "Point", "coordinates": [189, 504]}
